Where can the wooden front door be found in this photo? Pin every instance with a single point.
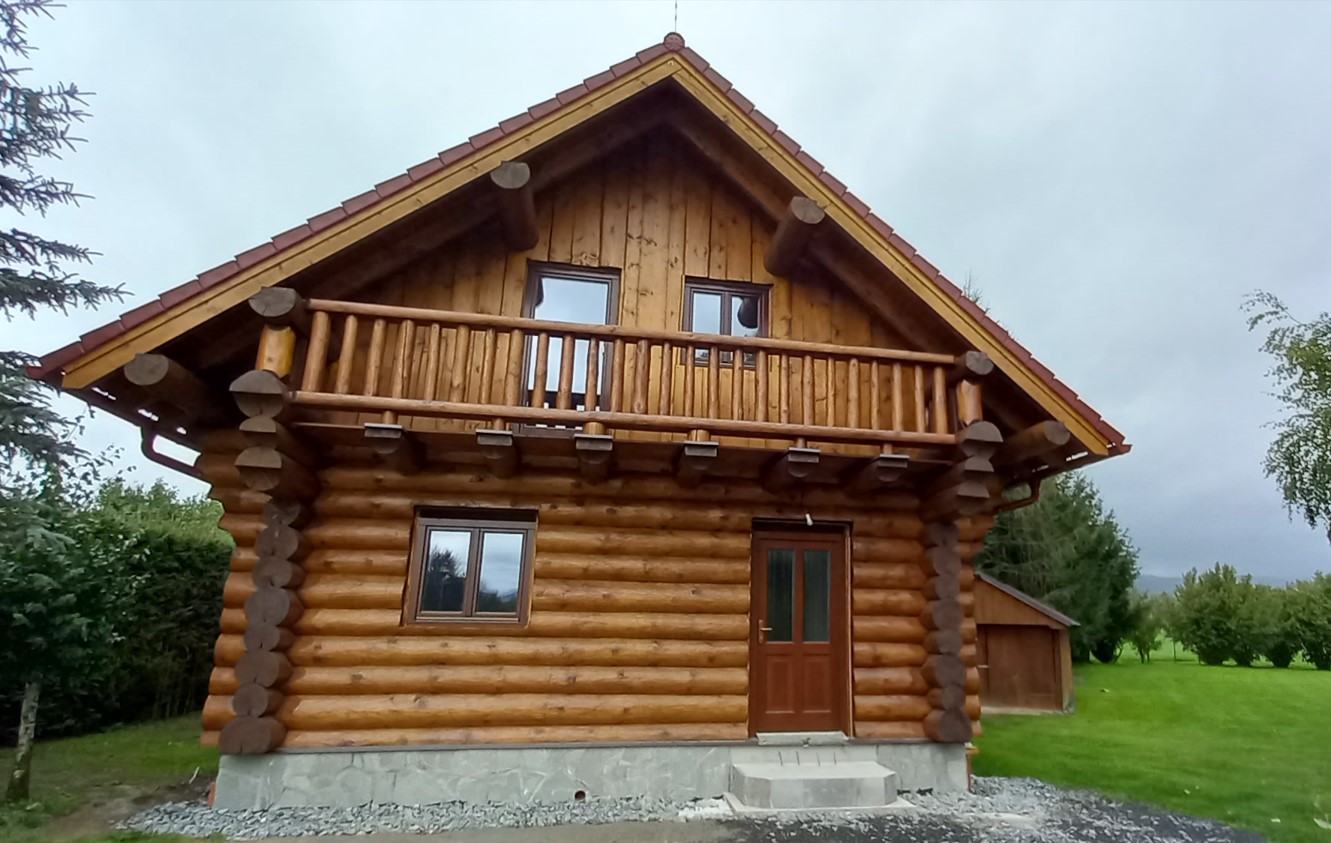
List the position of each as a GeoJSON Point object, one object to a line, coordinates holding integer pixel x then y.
{"type": "Point", "coordinates": [799, 633]}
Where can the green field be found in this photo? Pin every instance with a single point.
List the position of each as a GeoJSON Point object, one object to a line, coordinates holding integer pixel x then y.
{"type": "Point", "coordinates": [82, 785]}
{"type": "Point", "coordinates": [1249, 746]}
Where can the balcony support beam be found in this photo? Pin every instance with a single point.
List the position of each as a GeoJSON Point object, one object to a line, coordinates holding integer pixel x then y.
{"type": "Point", "coordinates": [393, 444]}
{"type": "Point", "coordinates": [595, 454]}
{"type": "Point", "coordinates": [792, 467]}
{"type": "Point", "coordinates": [500, 450]}
{"type": "Point", "coordinates": [793, 234]}
{"type": "Point", "coordinates": [1033, 443]}
{"type": "Point", "coordinates": [879, 472]}
{"type": "Point", "coordinates": [695, 461]}
{"type": "Point", "coordinates": [172, 384]}
{"type": "Point", "coordinates": [516, 203]}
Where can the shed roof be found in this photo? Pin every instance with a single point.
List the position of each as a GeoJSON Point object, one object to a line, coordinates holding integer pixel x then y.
{"type": "Point", "coordinates": [202, 288]}
{"type": "Point", "coordinates": [1043, 608]}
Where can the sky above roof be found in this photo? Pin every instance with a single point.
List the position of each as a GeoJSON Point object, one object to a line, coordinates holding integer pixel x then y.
{"type": "Point", "coordinates": [1114, 178]}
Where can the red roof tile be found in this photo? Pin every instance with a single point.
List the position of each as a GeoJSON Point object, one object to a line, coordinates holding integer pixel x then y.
{"type": "Point", "coordinates": [673, 43]}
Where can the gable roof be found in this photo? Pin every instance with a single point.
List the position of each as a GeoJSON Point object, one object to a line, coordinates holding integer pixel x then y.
{"type": "Point", "coordinates": [1043, 608]}
{"type": "Point", "coordinates": [105, 349]}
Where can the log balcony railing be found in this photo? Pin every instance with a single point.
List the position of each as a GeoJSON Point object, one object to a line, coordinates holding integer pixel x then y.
{"type": "Point", "coordinates": [525, 374]}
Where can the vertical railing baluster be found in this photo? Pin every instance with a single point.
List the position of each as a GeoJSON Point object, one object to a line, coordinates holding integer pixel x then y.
{"type": "Point", "coordinates": [785, 387]}
{"type": "Point", "coordinates": [666, 407]}
{"type": "Point", "coordinates": [713, 382]}
{"type": "Point", "coordinates": [898, 400]}
{"type": "Point", "coordinates": [564, 395]}
{"type": "Point", "coordinates": [489, 350]}
{"type": "Point", "coordinates": [406, 335]}
{"type": "Point", "coordinates": [433, 348]}
{"type": "Point", "coordinates": [875, 396]}
{"type": "Point", "coordinates": [617, 376]}
{"type": "Point", "coordinates": [736, 384]}
{"type": "Point", "coordinates": [540, 370]}
{"type": "Point", "coordinates": [853, 393]}
{"type": "Point", "coordinates": [517, 349]}
{"type": "Point", "coordinates": [806, 375]}
{"type": "Point", "coordinates": [457, 386]}
{"type": "Point", "coordinates": [830, 416]}
{"type": "Point", "coordinates": [690, 379]}
{"type": "Point", "coordinates": [940, 400]}
{"type": "Point", "coordinates": [591, 393]}
{"type": "Point", "coordinates": [316, 354]}
{"type": "Point", "coordinates": [375, 361]}
{"type": "Point", "coordinates": [920, 418]}
{"type": "Point", "coordinates": [760, 388]}
{"type": "Point", "coordinates": [642, 375]}
{"type": "Point", "coordinates": [346, 361]}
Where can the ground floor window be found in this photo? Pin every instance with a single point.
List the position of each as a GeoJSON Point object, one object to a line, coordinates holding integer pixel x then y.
{"type": "Point", "coordinates": [470, 566]}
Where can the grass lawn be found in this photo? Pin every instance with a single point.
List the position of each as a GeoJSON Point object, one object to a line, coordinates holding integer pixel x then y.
{"type": "Point", "coordinates": [1248, 746]}
{"type": "Point", "coordinates": [80, 785]}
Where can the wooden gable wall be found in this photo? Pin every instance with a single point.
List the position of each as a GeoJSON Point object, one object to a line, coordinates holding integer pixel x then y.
{"type": "Point", "coordinates": [658, 213]}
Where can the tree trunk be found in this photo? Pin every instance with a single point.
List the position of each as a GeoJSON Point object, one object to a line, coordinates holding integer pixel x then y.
{"type": "Point", "coordinates": [17, 788]}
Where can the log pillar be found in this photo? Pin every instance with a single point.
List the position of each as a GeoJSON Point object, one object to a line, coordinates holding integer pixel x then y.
{"type": "Point", "coordinates": [960, 491]}
{"type": "Point", "coordinates": [280, 464]}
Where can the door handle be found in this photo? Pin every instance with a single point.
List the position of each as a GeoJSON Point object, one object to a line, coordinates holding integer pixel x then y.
{"type": "Point", "coordinates": [762, 632]}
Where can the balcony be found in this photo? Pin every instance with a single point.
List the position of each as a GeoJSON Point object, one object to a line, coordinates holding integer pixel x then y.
{"type": "Point", "coordinates": [531, 387]}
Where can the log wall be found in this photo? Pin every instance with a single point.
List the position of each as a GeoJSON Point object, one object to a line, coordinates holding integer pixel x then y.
{"type": "Point", "coordinates": [639, 620]}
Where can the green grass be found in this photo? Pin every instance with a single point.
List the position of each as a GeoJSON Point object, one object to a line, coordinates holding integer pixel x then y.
{"type": "Point", "coordinates": [123, 765]}
{"type": "Point", "coordinates": [1243, 745]}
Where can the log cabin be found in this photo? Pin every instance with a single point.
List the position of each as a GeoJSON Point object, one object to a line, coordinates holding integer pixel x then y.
{"type": "Point", "coordinates": [614, 451]}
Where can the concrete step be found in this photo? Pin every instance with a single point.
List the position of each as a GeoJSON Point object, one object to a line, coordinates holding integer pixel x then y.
{"type": "Point", "coordinates": [808, 786]}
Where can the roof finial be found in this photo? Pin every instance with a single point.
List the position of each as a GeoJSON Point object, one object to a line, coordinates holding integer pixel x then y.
{"type": "Point", "coordinates": [674, 42]}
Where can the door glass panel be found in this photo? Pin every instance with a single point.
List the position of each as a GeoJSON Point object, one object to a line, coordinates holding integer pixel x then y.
{"type": "Point", "coordinates": [781, 595]}
{"type": "Point", "coordinates": [444, 584]}
{"type": "Point", "coordinates": [584, 301]}
{"type": "Point", "coordinates": [817, 595]}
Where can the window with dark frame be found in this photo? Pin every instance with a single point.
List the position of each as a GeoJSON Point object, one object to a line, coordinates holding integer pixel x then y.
{"type": "Point", "coordinates": [470, 566]}
{"type": "Point", "coordinates": [559, 293]}
{"type": "Point", "coordinates": [728, 309]}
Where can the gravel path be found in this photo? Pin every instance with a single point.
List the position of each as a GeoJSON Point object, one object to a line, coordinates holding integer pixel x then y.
{"type": "Point", "coordinates": [1000, 810]}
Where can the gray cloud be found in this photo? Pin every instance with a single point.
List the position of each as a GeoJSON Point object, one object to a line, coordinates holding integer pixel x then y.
{"type": "Point", "coordinates": [1114, 176]}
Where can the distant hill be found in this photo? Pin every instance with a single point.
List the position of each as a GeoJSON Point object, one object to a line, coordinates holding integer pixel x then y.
{"type": "Point", "coordinates": [1157, 584]}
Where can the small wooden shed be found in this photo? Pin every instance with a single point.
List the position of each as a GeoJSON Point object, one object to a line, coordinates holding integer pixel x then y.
{"type": "Point", "coordinates": [1025, 657]}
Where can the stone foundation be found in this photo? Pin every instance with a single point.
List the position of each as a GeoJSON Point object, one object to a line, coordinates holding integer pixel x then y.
{"type": "Point", "coordinates": [551, 773]}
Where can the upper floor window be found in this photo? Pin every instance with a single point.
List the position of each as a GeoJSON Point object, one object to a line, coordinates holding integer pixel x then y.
{"type": "Point", "coordinates": [470, 565]}
{"type": "Point", "coordinates": [729, 309]}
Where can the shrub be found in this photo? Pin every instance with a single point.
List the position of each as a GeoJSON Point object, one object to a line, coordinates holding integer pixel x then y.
{"type": "Point", "coordinates": [1149, 614]}
{"type": "Point", "coordinates": [1311, 610]}
{"type": "Point", "coordinates": [1206, 611]}
{"type": "Point", "coordinates": [1270, 611]}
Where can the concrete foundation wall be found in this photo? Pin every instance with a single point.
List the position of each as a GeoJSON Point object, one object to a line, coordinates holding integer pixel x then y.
{"type": "Point", "coordinates": [538, 774]}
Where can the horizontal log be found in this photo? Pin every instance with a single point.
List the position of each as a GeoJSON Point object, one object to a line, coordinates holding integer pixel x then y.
{"type": "Point", "coordinates": [245, 527]}
{"type": "Point", "coordinates": [890, 680]}
{"type": "Point", "coordinates": [972, 680]}
{"type": "Point", "coordinates": [360, 534]}
{"type": "Point", "coordinates": [664, 569]}
{"type": "Point", "coordinates": [973, 707]}
{"type": "Point", "coordinates": [942, 670]}
{"type": "Point", "coordinates": [1033, 443]}
{"type": "Point", "coordinates": [255, 701]}
{"type": "Point", "coordinates": [881, 654]}
{"type": "Point", "coordinates": [891, 730]}
{"type": "Point", "coordinates": [888, 629]}
{"type": "Point", "coordinates": [238, 500]}
{"type": "Point", "coordinates": [520, 735]}
{"type": "Point", "coordinates": [885, 550]}
{"type": "Point", "coordinates": [259, 392]}
{"type": "Point", "coordinates": [585, 512]}
{"type": "Point", "coordinates": [793, 234]}
{"type": "Point", "coordinates": [884, 601]}
{"type": "Point", "coordinates": [168, 381]}
{"type": "Point", "coordinates": [217, 711]}
{"type": "Point", "coordinates": [265, 432]}
{"type": "Point", "coordinates": [703, 545]}
{"type": "Point", "coordinates": [896, 575]}
{"type": "Point", "coordinates": [592, 596]}
{"type": "Point", "coordinates": [942, 614]}
{"type": "Point", "coordinates": [278, 573]}
{"type": "Point", "coordinates": [502, 679]}
{"type": "Point", "coordinates": [552, 485]}
{"type": "Point", "coordinates": [896, 707]}
{"type": "Point", "coordinates": [276, 474]}
{"type": "Point", "coordinates": [948, 697]}
{"type": "Point", "coordinates": [387, 622]}
{"type": "Point", "coordinates": [945, 642]}
{"type": "Point", "coordinates": [400, 651]}
{"type": "Point", "coordinates": [209, 739]}
{"type": "Point", "coordinates": [423, 711]}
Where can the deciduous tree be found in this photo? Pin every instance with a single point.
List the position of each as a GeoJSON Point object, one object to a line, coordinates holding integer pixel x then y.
{"type": "Point", "coordinates": [1300, 457]}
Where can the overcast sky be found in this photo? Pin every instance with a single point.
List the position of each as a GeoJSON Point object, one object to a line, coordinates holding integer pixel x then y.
{"type": "Point", "coordinates": [1115, 177]}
